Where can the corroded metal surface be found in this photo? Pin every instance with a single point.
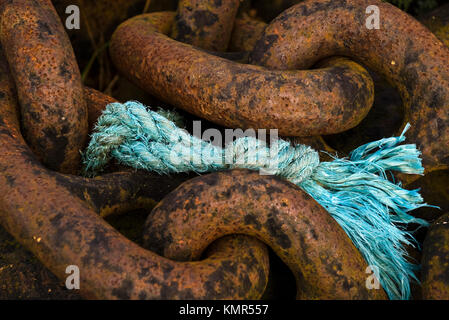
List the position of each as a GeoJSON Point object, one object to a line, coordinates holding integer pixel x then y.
{"type": "Point", "coordinates": [323, 259]}
{"type": "Point", "coordinates": [60, 230]}
{"type": "Point", "coordinates": [438, 22]}
{"type": "Point", "coordinates": [297, 103]}
{"type": "Point", "coordinates": [418, 65]}
{"type": "Point", "coordinates": [247, 31]}
{"type": "Point", "coordinates": [96, 102]}
{"type": "Point", "coordinates": [57, 215]}
{"type": "Point", "coordinates": [53, 110]}
{"type": "Point", "coordinates": [245, 34]}
{"type": "Point", "coordinates": [22, 276]}
{"type": "Point", "coordinates": [205, 24]}
{"type": "Point", "coordinates": [435, 261]}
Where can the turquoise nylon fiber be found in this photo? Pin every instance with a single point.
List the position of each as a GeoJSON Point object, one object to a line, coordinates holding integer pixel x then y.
{"type": "Point", "coordinates": [372, 210]}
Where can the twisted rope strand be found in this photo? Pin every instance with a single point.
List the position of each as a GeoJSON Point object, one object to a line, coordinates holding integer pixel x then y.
{"type": "Point", "coordinates": [372, 210]}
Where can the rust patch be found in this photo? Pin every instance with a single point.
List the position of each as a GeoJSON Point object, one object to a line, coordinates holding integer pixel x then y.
{"type": "Point", "coordinates": [53, 110]}
{"type": "Point", "coordinates": [205, 24]}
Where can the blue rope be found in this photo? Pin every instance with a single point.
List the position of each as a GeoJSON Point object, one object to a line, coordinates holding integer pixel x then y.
{"type": "Point", "coordinates": [372, 210]}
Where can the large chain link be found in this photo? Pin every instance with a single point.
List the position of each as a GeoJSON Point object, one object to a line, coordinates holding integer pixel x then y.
{"type": "Point", "coordinates": [46, 114]}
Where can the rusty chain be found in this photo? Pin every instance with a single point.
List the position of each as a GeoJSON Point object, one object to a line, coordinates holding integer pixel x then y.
{"type": "Point", "coordinates": [46, 114]}
{"type": "Point", "coordinates": [323, 259]}
{"type": "Point", "coordinates": [41, 210]}
{"type": "Point", "coordinates": [240, 95]}
{"type": "Point", "coordinates": [54, 214]}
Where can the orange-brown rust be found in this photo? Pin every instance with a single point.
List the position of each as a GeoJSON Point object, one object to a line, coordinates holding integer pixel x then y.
{"type": "Point", "coordinates": [323, 259]}
{"type": "Point", "coordinates": [435, 261]}
{"type": "Point", "coordinates": [60, 229]}
{"type": "Point", "coordinates": [402, 50]}
{"type": "Point", "coordinates": [297, 103]}
{"type": "Point", "coordinates": [245, 34]}
{"type": "Point", "coordinates": [96, 102]}
{"type": "Point", "coordinates": [205, 24]}
{"type": "Point", "coordinates": [53, 109]}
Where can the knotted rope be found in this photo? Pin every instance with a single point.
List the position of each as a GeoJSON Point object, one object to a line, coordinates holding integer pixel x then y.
{"type": "Point", "coordinates": [372, 210]}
